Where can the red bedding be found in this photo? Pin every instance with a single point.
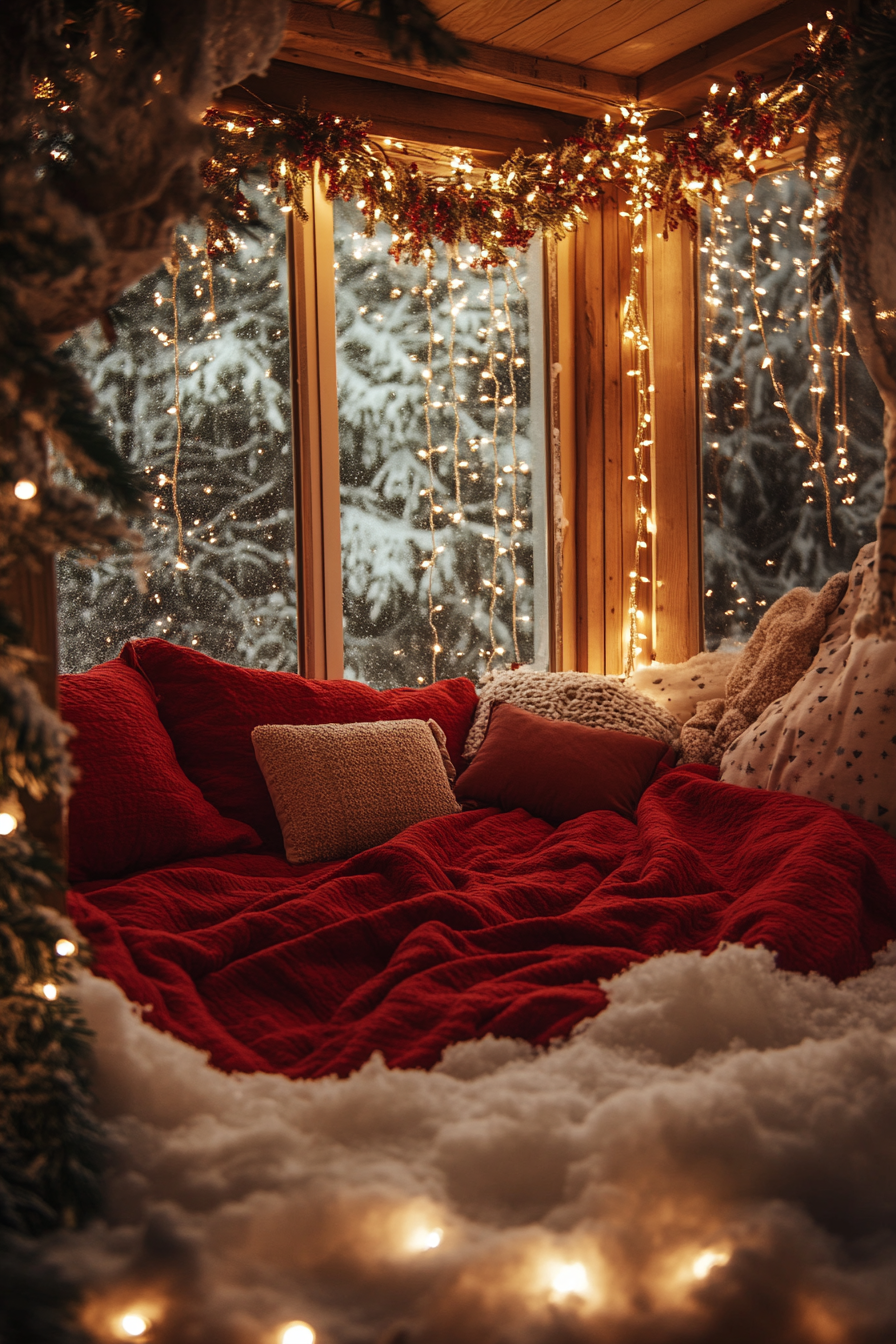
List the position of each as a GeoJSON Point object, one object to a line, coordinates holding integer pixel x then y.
{"type": "Point", "coordinates": [483, 922]}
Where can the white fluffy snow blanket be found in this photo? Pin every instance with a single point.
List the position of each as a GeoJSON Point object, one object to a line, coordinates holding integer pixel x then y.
{"type": "Point", "coordinates": [711, 1159]}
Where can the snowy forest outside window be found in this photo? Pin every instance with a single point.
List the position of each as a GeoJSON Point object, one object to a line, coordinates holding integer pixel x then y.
{"type": "Point", "coordinates": [440, 373]}
{"type": "Point", "coordinates": [792, 429]}
{"type": "Point", "coordinates": [202, 410]}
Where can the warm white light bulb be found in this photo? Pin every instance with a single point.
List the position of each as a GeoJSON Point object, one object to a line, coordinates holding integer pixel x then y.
{"type": "Point", "coordinates": [297, 1332]}
{"type": "Point", "coordinates": [50, 992]}
{"type": "Point", "coordinates": [571, 1279]}
{"type": "Point", "coordinates": [25, 489]}
{"type": "Point", "coordinates": [8, 823]}
{"type": "Point", "coordinates": [707, 1261]}
{"type": "Point", "coordinates": [134, 1325]}
{"type": "Point", "coordinates": [433, 1239]}
{"type": "Point", "coordinates": [66, 948]}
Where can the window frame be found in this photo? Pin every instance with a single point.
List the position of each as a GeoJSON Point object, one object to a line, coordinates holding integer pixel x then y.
{"type": "Point", "coordinates": [606, 410]}
{"type": "Point", "coordinates": [311, 253]}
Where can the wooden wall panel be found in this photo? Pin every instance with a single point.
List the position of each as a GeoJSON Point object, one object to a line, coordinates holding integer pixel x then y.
{"type": "Point", "coordinates": [316, 440]}
{"type": "Point", "coordinates": [565, 653]}
{"type": "Point", "coordinates": [675, 473]}
{"type": "Point", "coordinates": [605, 423]}
{"type": "Point", "coordinates": [606, 499]}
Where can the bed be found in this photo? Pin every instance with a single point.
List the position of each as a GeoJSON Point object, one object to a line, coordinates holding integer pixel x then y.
{"type": "Point", "coordinates": [482, 921]}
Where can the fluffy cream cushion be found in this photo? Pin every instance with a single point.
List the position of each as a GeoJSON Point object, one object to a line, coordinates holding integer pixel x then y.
{"type": "Point", "coordinates": [780, 650]}
{"type": "Point", "coordinates": [833, 735]}
{"type": "Point", "coordinates": [340, 788]}
{"type": "Point", "coordinates": [577, 697]}
{"type": "Point", "coordinates": [679, 687]}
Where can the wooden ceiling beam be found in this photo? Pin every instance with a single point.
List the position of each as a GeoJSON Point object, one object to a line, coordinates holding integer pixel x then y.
{"type": "Point", "coordinates": [713, 56]}
{"type": "Point", "coordinates": [316, 32]}
{"type": "Point", "coordinates": [406, 114]}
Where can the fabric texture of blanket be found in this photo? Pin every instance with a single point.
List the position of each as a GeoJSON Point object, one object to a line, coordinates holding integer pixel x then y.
{"type": "Point", "coordinates": [483, 922]}
{"type": "Point", "coordinates": [780, 650]}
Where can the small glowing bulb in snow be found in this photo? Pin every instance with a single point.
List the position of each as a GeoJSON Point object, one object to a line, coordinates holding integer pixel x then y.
{"type": "Point", "coordinates": [707, 1261]}
{"type": "Point", "coordinates": [66, 948]}
{"type": "Point", "coordinates": [134, 1325]}
{"type": "Point", "coordinates": [425, 1239]}
{"type": "Point", "coordinates": [297, 1332]}
{"type": "Point", "coordinates": [49, 992]}
{"type": "Point", "coordinates": [570, 1279]}
{"type": "Point", "coordinates": [8, 823]}
{"type": "Point", "coordinates": [25, 489]}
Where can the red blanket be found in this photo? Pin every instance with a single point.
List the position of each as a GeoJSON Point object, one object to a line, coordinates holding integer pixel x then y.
{"type": "Point", "coordinates": [483, 922]}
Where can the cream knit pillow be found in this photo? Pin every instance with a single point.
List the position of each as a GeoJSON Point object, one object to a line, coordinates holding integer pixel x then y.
{"type": "Point", "coordinates": [340, 788]}
{"type": "Point", "coordinates": [833, 736]}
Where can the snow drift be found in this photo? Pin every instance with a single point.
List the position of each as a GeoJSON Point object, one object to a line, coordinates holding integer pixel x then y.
{"type": "Point", "coordinates": [713, 1158]}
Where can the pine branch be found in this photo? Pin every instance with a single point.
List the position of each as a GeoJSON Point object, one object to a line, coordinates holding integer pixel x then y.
{"type": "Point", "coordinates": [411, 29]}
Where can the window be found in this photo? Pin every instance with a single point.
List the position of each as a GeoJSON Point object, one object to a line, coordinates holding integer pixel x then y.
{"type": "Point", "coordinates": [423, 480]}
{"type": "Point", "coordinates": [217, 569]}
{"type": "Point", "coordinates": [792, 429]}
{"type": "Point", "coordinates": [431, 441]}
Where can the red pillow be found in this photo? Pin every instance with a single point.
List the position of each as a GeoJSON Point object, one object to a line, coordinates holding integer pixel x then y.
{"type": "Point", "coordinates": [133, 806]}
{"type": "Point", "coordinates": [210, 709]}
{"type": "Point", "coordinates": [557, 770]}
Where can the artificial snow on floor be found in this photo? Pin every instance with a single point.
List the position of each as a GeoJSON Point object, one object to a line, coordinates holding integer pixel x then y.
{"type": "Point", "coordinates": [713, 1158]}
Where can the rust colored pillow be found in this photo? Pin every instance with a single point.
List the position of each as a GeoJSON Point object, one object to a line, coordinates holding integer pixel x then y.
{"type": "Point", "coordinates": [340, 788]}
{"type": "Point", "coordinates": [558, 770]}
{"type": "Point", "coordinates": [210, 708]}
{"type": "Point", "coordinates": [133, 806]}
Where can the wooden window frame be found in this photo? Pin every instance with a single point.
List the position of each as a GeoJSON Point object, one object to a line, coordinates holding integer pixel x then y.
{"type": "Point", "coordinates": [316, 443]}
{"type": "Point", "coordinates": [605, 542]}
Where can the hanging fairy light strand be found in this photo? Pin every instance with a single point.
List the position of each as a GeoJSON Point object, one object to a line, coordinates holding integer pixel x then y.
{"type": "Point", "coordinates": [634, 330]}
{"type": "Point", "coordinates": [497, 398]}
{"type": "Point", "coordinates": [812, 443]}
{"type": "Point", "coordinates": [173, 266]}
{"type": "Point", "coordinates": [513, 363]}
{"type": "Point", "coordinates": [819, 349]}
{"type": "Point", "coordinates": [436, 548]}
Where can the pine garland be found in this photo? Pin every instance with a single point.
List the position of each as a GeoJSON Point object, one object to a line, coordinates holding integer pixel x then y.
{"type": "Point", "coordinates": [552, 191]}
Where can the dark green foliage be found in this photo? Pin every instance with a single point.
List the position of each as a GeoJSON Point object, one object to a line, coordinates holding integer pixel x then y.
{"type": "Point", "coordinates": [411, 28]}
{"type": "Point", "coordinates": [864, 107]}
{"type": "Point", "coordinates": [51, 1142]}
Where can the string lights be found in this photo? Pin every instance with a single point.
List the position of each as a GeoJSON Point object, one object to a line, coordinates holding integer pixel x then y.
{"type": "Point", "coordinates": [499, 400]}
{"type": "Point", "coordinates": [634, 330]}
{"type": "Point", "coordinates": [477, 562]}
{"type": "Point", "coordinates": [564, 1278]}
{"type": "Point", "coordinates": [173, 266]}
{"type": "Point", "coordinates": [774, 360]}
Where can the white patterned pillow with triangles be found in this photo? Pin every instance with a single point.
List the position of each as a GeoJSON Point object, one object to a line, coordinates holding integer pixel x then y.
{"type": "Point", "coordinates": [833, 736]}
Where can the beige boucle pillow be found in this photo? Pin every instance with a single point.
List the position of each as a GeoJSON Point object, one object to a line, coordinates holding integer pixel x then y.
{"type": "Point", "coordinates": [680, 687]}
{"type": "Point", "coordinates": [576, 697]}
{"type": "Point", "coordinates": [833, 736]}
{"type": "Point", "coordinates": [340, 788]}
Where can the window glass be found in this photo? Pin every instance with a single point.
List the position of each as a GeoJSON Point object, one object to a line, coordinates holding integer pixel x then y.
{"type": "Point", "coordinates": [792, 431]}
{"type": "Point", "coordinates": [220, 578]}
{"type": "Point", "coordinates": [440, 373]}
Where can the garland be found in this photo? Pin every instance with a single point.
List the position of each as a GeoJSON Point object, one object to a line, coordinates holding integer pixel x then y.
{"type": "Point", "coordinates": [550, 191]}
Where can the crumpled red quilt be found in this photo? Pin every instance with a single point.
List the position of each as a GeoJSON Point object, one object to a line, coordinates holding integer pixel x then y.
{"type": "Point", "coordinates": [483, 922]}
